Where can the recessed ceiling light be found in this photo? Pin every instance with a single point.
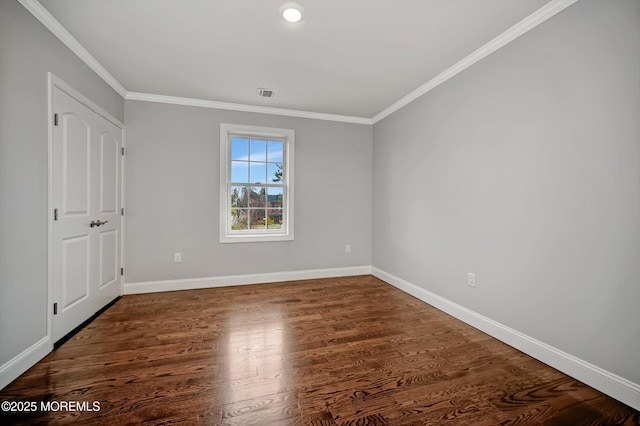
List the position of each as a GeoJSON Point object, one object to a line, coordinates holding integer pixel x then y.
{"type": "Point", "coordinates": [292, 12]}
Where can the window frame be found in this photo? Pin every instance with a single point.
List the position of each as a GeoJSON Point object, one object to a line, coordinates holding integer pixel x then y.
{"type": "Point", "coordinates": [227, 235]}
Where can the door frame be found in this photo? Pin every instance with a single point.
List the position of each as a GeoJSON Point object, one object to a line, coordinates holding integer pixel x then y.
{"type": "Point", "coordinates": [55, 82]}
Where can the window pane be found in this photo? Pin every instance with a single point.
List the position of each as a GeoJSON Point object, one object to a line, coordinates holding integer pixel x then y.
{"type": "Point", "coordinates": [238, 196]}
{"type": "Point", "coordinates": [257, 197]}
{"type": "Point", "coordinates": [275, 152]}
{"type": "Point", "coordinates": [274, 220]}
{"type": "Point", "coordinates": [240, 171]}
{"type": "Point", "coordinates": [257, 219]}
{"type": "Point", "coordinates": [274, 197]}
{"type": "Point", "coordinates": [274, 172]}
{"type": "Point", "coordinates": [258, 150]}
{"type": "Point", "coordinates": [239, 219]}
{"type": "Point", "coordinates": [258, 173]}
{"type": "Point", "coordinates": [240, 149]}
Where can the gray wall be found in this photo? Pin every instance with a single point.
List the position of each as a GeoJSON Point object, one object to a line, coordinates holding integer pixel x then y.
{"type": "Point", "coordinates": [27, 51]}
{"type": "Point", "coordinates": [525, 169]}
{"type": "Point", "coordinates": [172, 167]}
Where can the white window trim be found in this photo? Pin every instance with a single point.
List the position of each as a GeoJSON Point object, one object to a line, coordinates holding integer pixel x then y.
{"type": "Point", "coordinates": [288, 135]}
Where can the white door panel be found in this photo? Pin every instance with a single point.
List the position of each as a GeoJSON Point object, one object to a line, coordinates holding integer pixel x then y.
{"type": "Point", "coordinates": [86, 182]}
{"type": "Point", "coordinates": [76, 147]}
{"type": "Point", "coordinates": [109, 256]}
{"type": "Point", "coordinates": [109, 161]}
{"type": "Point", "coordinates": [75, 271]}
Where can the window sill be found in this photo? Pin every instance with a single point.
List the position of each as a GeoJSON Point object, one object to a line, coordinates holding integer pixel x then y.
{"type": "Point", "coordinates": [255, 238]}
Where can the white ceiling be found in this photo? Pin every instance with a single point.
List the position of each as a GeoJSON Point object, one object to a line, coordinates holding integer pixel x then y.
{"type": "Point", "coordinates": [347, 57]}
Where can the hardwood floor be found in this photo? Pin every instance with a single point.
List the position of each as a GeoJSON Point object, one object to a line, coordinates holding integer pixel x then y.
{"type": "Point", "coordinates": [344, 351]}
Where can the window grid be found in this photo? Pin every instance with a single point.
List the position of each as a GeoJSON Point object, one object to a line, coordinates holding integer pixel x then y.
{"type": "Point", "coordinates": [254, 205]}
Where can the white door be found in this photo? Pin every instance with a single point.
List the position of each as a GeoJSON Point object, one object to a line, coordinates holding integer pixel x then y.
{"type": "Point", "coordinates": [86, 226]}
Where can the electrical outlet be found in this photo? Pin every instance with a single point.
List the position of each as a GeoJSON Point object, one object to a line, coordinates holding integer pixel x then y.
{"type": "Point", "coordinates": [347, 248]}
{"type": "Point", "coordinates": [471, 279]}
{"type": "Point", "coordinates": [177, 257]}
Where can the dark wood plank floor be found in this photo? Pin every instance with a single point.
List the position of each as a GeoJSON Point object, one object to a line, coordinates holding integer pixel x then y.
{"type": "Point", "coordinates": [345, 351]}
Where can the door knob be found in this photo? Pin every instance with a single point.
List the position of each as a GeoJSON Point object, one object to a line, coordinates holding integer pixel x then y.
{"type": "Point", "coordinates": [97, 223]}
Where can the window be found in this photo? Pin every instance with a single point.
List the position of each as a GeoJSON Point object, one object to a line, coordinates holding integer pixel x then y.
{"type": "Point", "coordinates": [256, 183]}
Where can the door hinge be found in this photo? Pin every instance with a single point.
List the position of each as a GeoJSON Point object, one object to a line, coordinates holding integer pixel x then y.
{"type": "Point", "coordinates": [55, 214]}
{"type": "Point", "coordinates": [55, 119]}
{"type": "Point", "coordinates": [122, 151]}
{"type": "Point", "coordinates": [121, 211]}
{"type": "Point", "coordinates": [121, 271]}
{"type": "Point", "coordinates": [55, 309]}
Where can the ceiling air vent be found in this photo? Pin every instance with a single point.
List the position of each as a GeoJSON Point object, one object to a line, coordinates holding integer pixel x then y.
{"type": "Point", "coordinates": [266, 93]}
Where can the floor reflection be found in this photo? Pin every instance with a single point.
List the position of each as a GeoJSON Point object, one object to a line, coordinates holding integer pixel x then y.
{"type": "Point", "coordinates": [255, 344]}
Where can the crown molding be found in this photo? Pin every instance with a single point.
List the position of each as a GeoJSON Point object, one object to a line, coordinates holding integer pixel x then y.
{"type": "Point", "coordinates": [65, 37]}
{"type": "Point", "coordinates": [202, 103]}
{"type": "Point", "coordinates": [536, 18]}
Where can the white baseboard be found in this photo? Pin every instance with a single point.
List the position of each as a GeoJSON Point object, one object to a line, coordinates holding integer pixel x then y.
{"type": "Point", "coordinates": [12, 369]}
{"type": "Point", "coordinates": [230, 280]}
{"type": "Point", "coordinates": [606, 382]}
